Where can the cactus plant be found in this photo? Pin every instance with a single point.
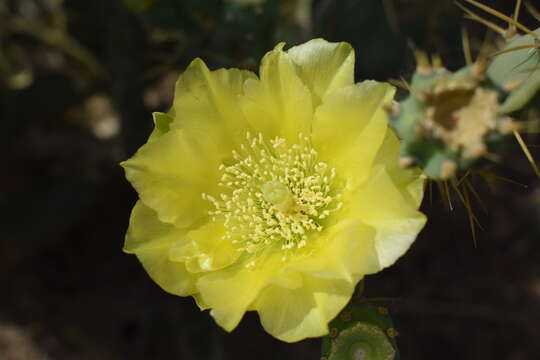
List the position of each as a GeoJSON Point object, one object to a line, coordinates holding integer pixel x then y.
{"type": "Point", "coordinates": [363, 331]}
{"type": "Point", "coordinates": [450, 121]}
{"type": "Point", "coordinates": [516, 70]}
{"type": "Point", "coordinates": [457, 121]}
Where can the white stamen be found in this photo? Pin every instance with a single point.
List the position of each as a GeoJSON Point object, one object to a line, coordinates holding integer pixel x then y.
{"type": "Point", "coordinates": [274, 195]}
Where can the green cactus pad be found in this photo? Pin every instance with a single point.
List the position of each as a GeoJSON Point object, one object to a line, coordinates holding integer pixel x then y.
{"type": "Point", "coordinates": [362, 342]}
{"type": "Point", "coordinates": [362, 331]}
{"type": "Point", "coordinates": [517, 72]}
{"type": "Point", "coordinates": [450, 121]}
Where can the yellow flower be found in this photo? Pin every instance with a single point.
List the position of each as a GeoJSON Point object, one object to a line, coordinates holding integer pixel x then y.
{"type": "Point", "coordinates": [276, 193]}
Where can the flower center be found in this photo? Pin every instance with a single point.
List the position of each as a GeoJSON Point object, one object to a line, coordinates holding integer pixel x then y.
{"type": "Point", "coordinates": [274, 195]}
{"type": "Point", "coordinates": [278, 195]}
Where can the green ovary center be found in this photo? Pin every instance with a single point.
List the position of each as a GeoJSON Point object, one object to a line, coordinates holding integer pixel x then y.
{"type": "Point", "coordinates": [274, 195]}
{"type": "Point", "coordinates": [278, 195]}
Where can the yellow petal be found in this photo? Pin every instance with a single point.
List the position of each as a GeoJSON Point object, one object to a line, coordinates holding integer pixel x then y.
{"type": "Point", "coordinates": [286, 277]}
{"type": "Point", "coordinates": [294, 314]}
{"type": "Point", "coordinates": [323, 66]}
{"type": "Point", "coordinates": [200, 303]}
{"type": "Point", "coordinates": [162, 124]}
{"type": "Point", "coordinates": [315, 288]}
{"type": "Point", "coordinates": [396, 220]}
{"type": "Point", "coordinates": [410, 182]}
{"type": "Point", "coordinates": [350, 126]}
{"type": "Point", "coordinates": [150, 240]}
{"type": "Point", "coordinates": [206, 104]}
{"type": "Point", "coordinates": [145, 231]}
{"type": "Point", "coordinates": [206, 249]}
{"type": "Point", "coordinates": [345, 251]}
{"type": "Point", "coordinates": [170, 174]}
{"type": "Point", "coordinates": [229, 292]}
{"type": "Point", "coordinates": [278, 104]}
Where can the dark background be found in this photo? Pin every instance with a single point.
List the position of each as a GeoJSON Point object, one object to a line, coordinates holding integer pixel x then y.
{"type": "Point", "coordinates": [78, 83]}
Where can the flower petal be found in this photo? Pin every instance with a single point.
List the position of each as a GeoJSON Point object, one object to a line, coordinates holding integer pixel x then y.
{"type": "Point", "coordinates": [294, 314]}
{"type": "Point", "coordinates": [347, 252]}
{"type": "Point", "coordinates": [162, 124]}
{"type": "Point", "coordinates": [206, 104]}
{"type": "Point", "coordinates": [205, 249]}
{"type": "Point", "coordinates": [396, 220]}
{"type": "Point", "coordinates": [323, 66]}
{"type": "Point", "coordinates": [314, 289]}
{"type": "Point", "coordinates": [170, 174]}
{"type": "Point", "coordinates": [278, 104]}
{"type": "Point", "coordinates": [229, 292]}
{"type": "Point", "coordinates": [409, 181]}
{"type": "Point", "coordinates": [350, 126]}
{"type": "Point", "coordinates": [150, 240]}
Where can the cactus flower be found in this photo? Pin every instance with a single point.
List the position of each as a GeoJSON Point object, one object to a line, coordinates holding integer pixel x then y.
{"type": "Point", "coordinates": [274, 193]}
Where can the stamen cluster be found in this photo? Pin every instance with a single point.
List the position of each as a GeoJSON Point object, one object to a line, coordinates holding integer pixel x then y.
{"type": "Point", "coordinates": [274, 195]}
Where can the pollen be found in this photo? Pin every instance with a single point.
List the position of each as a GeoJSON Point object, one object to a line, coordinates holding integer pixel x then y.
{"type": "Point", "coordinates": [275, 195]}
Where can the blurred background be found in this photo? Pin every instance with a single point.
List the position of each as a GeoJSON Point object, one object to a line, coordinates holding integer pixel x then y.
{"type": "Point", "coordinates": [78, 83]}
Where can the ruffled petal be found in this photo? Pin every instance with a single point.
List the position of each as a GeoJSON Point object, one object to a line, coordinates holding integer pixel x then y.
{"type": "Point", "coordinates": [206, 104]}
{"type": "Point", "coordinates": [150, 240]}
{"type": "Point", "coordinates": [171, 173]}
{"type": "Point", "coordinates": [279, 104]}
{"type": "Point", "coordinates": [395, 218]}
{"type": "Point", "coordinates": [345, 251]}
{"type": "Point", "coordinates": [323, 66]}
{"type": "Point", "coordinates": [350, 126]}
{"type": "Point", "coordinates": [205, 249]}
{"type": "Point", "coordinates": [294, 314]}
{"type": "Point", "coordinates": [229, 292]}
{"type": "Point", "coordinates": [200, 303]}
{"type": "Point", "coordinates": [410, 182]}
